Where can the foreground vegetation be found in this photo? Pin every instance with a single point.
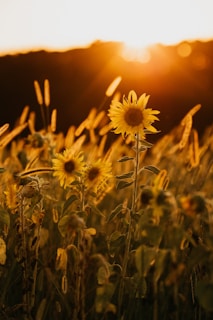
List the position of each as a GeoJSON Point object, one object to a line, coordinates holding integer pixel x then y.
{"type": "Point", "coordinates": [95, 227]}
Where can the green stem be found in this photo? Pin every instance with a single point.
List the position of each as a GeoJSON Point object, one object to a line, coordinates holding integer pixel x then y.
{"type": "Point", "coordinates": [129, 231]}
{"type": "Point", "coordinates": [25, 279]}
{"type": "Point", "coordinates": [35, 270]}
{"type": "Point", "coordinates": [78, 281]}
{"type": "Point", "coordinates": [83, 290]}
{"type": "Point", "coordinates": [155, 307]}
{"type": "Point", "coordinates": [136, 169]}
{"type": "Point", "coordinates": [82, 274]}
{"type": "Point", "coordinates": [82, 197]}
{"type": "Point", "coordinates": [80, 286]}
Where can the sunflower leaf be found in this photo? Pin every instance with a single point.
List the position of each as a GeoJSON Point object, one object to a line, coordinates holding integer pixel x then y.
{"type": "Point", "coordinates": [116, 240]}
{"type": "Point", "coordinates": [140, 149]}
{"type": "Point", "coordinates": [144, 258]}
{"type": "Point", "coordinates": [125, 175]}
{"type": "Point", "coordinates": [4, 216]}
{"type": "Point", "coordinates": [115, 212]}
{"type": "Point", "coordinates": [123, 184]}
{"type": "Point", "coordinates": [152, 169]}
{"type": "Point", "coordinates": [96, 210]}
{"type": "Point", "coordinates": [70, 223]}
{"type": "Point", "coordinates": [75, 183]}
{"type": "Point", "coordinates": [146, 144]}
{"type": "Point", "coordinates": [69, 201]}
{"type": "Point", "coordinates": [151, 132]}
{"type": "Point", "coordinates": [204, 293]}
{"type": "Point", "coordinates": [93, 194]}
{"type": "Point", "coordinates": [125, 158]}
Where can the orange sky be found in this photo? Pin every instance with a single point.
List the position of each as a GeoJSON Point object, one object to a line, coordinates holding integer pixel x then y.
{"type": "Point", "coordinates": [53, 24]}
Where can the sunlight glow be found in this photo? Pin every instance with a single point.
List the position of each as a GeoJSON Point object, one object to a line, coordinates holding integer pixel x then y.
{"type": "Point", "coordinates": [59, 25]}
{"type": "Point", "coordinates": [131, 53]}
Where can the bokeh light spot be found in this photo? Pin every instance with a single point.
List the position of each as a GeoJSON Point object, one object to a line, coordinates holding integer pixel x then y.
{"type": "Point", "coordinates": [200, 61]}
{"type": "Point", "coordinates": [184, 50]}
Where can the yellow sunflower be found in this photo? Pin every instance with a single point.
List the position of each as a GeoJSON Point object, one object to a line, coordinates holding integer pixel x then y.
{"type": "Point", "coordinates": [97, 175]}
{"type": "Point", "coordinates": [131, 117]}
{"type": "Point", "coordinates": [67, 166]}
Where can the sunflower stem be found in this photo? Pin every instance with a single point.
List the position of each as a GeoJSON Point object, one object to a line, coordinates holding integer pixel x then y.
{"type": "Point", "coordinates": [82, 203]}
{"type": "Point", "coordinates": [129, 231]}
{"type": "Point", "coordinates": [78, 282]}
{"type": "Point", "coordinates": [79, 309]}
{"type": "Point", "coordinates": [25, 263]}
{"type": "Point", "coordinates": [136, 169]}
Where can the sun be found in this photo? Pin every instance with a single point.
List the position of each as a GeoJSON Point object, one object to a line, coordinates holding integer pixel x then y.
{"type": "Point", "coordinates": [135, 53]}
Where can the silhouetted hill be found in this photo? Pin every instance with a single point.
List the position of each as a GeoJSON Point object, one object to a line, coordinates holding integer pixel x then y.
{"type": "Point", "coordinates": [79, 78]}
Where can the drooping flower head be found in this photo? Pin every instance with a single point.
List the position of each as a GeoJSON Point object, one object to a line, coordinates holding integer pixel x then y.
{"type": "Point", "coordinates": [67, 166]}
{"type": "Point", "coordinates": [97, 174]}
{"type": "Point", "coordinates": [131, 116]}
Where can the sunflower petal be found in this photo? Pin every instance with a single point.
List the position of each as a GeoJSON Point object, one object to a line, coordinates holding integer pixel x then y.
{"type": "Point", "coordinates": [132, 97]}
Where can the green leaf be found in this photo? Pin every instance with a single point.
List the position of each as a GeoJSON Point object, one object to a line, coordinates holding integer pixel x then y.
{"type": "Point", "coordinates": [4, 217]}
{"type": "Point", "coordinates": [173, 237]}
{"type": "Point", "coordinates": [96, 210]}
{"type": "Point", "coordinates": [141, 149]}
{"type": "Point", "coordinates": [41, 309]}
{"type": "Point", "coordinates": [123, 184]}
{"type": "Point", "coordinates": [2, 170]}
{"type": "Point", "coordinates": [40, 280]}
{"type": "Point", "coordinates": [153, 169]}
{"type": "Point", "coordinates": [116, 241]}
{"type": "Point", "coordinates": [152, 234]}
{"type": "Point", "coordinates": [115, 212]}
{"type": "Point", "coordinates": [69, 201]}
{"type": "Point", "coordinates": [204, 293]}
{"type": "Point", "coordinates": [146, 144]}
{"type": "Point", "coordinates": [143, 146]}
{"type": "Point", "coordinates": [75, 183]}
{"type": "Point", "coordinates": [103, 297]}
{"type": "Point", "coordinates": [144, 257]}
{"type": "Point", "coordinates": [142, 288]}
{"type": "Point", "coordinates": [199, 254]}
{"type": "Point", "coordinates": [160, 263]}
{"type": "Point", "coordinates": [70, 223]}
{"type": "Point", "coordinates": [125, 158]}
{"type": "Point", "coordinates": [125, 175]}
{"type": "Point", "coordinates": [151, 132]}
{"type": "Point", "coordinates": [93, 194]}
{"type": "Point", "coordinates": [102, 275]}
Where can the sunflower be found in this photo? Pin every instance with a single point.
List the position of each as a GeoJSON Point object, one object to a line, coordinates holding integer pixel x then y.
{"type": "Point", "coordinates": [97, 175]}
{"type": "Point", "coordinates": [131, 117]}
{"type": "Point", "coordinates": [67, 166]}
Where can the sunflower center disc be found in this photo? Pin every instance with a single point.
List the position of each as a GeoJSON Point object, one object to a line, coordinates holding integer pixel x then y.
{"type": "Point", "coordinates": [93, 173]}
{"type": "Point", "coordinates": [133, 117]}
{"type": "Point", "coordinates": [69, 166]}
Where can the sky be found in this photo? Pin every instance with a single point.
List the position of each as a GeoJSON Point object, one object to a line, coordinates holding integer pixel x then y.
{"type": "Point", "coordinates": [63, 24]}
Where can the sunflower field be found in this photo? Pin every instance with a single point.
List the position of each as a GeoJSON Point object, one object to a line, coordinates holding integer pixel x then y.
{"type": "Point", "coordinates": [98, 223]}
